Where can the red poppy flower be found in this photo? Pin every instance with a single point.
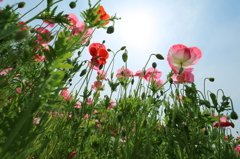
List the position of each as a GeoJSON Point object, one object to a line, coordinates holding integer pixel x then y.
{"type": "Point", "coordinates": [99, 53]}
{"type": "Point", "coordinates": [104, 15]}
{"type": "Point", "coordinates": [23, 28]}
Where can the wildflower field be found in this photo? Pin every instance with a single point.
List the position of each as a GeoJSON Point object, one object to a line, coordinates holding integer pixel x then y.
{"type": "Point", "coordinates": [142, 115]}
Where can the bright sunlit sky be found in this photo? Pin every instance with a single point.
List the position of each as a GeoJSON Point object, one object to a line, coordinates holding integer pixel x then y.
{"type": "Point", "coordinates": [153, 26]}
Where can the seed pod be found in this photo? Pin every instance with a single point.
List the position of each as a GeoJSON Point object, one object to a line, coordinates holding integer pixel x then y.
{"type": "Point", "coordinates": [110, 29]}
{"type": "Point", "coordinates": [21, 4]}
{"type": "Point", "coordinates": [72, 5]}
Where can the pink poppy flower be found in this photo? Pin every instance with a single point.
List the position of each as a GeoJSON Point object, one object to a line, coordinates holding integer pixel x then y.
{"type": "Point", "coordinates": [102, 75]}
{"type": "Point", "coordinates": [112, 104]}
{"type": "Point", "coordinates": [89, 101]}
{"type": "Point", "coordinates": [139, 74]}
{"type": "Point", "coordinates": [97, 85]}
{"type": "Point", "coordinates": [72, 154]}
{"type": "Point", "coordinates": [43, 32]}
{"type": "Point", "coordinates": [18, 90]}
{"type": "Point", "coordinates": [73, 20]}
{"type": "Point", "coordinates": [223, 122]}
{"type": "Point", "coordinates": [159, 83]}
{"type": "Point", "coordinates": [181, 55]}
{"type": "Point", "coordinates": [78, 105]}
{"type": "Point", "coordinates": [65, 94]}
{"type": "Point", "coordinates": [124, 72]}
{"type": "Point", "coordinates": [36, 121]}
{"type": "Point", "coordinates": [185, 77]}
{"type": "Point", "coordinates": [95, 112]}
{"type": "Point", "coordinates": [152, 73]}
{"type": "Point", "coordinates": [5, 71]}
{"type": "Point", "coordinates": [79, 28]}
{"type": "Point", "coordinates": [1, 0]}
{"type": "Point", "coordinates": [237, 148]}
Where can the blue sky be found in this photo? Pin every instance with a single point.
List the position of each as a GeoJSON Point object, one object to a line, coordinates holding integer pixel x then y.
{"type": "Point", "coordinates": [153, 26]}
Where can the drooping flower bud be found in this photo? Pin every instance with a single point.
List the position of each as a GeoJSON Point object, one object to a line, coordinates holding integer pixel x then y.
{"type": "Point", "coordinates": [154, 64]}
{"type": "Point", "coordinates": [21, 4]}
{"type": "Point", "coordinates": [211, 79]}
{"type": "Point", "coordinates": [171, 81]}
{"type": "Point", "coordinates": [159, 56]}
{"type": "Point", "coordinates": [234, 115]}
{"type": "Point", "coordinates": [124, 57]}
{"type": "Point", "coordinates": [110, 29]}
{"type": "Point", "coordinates": [232, 125]}
{"type": "Point", "coordinates": [132, 81]}
{"type": "Point", "coordinates": [72, 5]}
{"type": "Point", "coordinates": [123, 48]}
{"type": "Point", "coordinates": [109, 50]}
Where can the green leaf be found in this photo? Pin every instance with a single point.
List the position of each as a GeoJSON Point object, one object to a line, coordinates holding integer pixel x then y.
{"type": "Point", "coordinates": [62, 65]}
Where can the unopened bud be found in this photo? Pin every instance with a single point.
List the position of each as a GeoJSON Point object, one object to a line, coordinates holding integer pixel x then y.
{"type": "Point", "coordinates": [72, 5]}
{"type": "Point", "coordinates": [101, 66]}
{"type": "Point", "coordinates": [171, 81]}
{"type": "Point", "coordinates": [79, 53]}
{"type": "Point", "coordinates": [103, 41]}
{"type": "Point", "coordinates": [234, 115]}
{"type": "Point", "coordinates": [21, 4]}
{"type": "Point", "coordinates": [132, 81]}
{"type": "Point", "coordinates": [123, 48]}
{"type": "Point", "coordinates": [159, 56]}
{"type": "Point", "coordinates": [109, 50]}
{"type": "Point", "coordinates": [232, 125]}
{"type": "Point", "coordinates": [83, 72]}
{"type": "Point", "coordinates": [124, 57]}
{"type": "Point", "coordinates": [143, 95]}
{"type": "Point", "coordinates": [110, 29]}
{"type": "Point", "coordinates": [154, 65]}
{"type": "Point", "coordinates": [211, 79]}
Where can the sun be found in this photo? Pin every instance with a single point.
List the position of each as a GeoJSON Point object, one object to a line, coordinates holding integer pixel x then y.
{"type": "Point", "coordinates": [137, 28]}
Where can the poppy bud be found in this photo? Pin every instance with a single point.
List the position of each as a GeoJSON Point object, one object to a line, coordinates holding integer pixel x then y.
{"type": "Point", "coordinates": [159, 56]}
{"type": "Point", "coordinates": [143, 95]}
{"type": "Point", "coordinates": [132, 81]}
{"type": "Point", "coordinates": [232, 125]}
{"type": "Point", "coordinates": [83, 72]}
{"type": "Point", "coordinates": [123, 48]}
{"type": "Point", "coordinates": [234, 115]}
{"type": "Point", "coordinates": [124, 57]}
{"type": "Point", "coordinates": [79, 53]}
{"type": "Point", "coordinates": [21, 35]}
{"type": "Point", "coordinates": [103, 41]}
{"type": "Point", "coordinates": [154, 65]}
{"type": "Point", "coordinates": [211, 79]}
{"type": "Point", "coordinates": [109, 50]}
{"type": "Point", "coordinates": [110, 29]}
{"type": "Point", "coordinates": [72, 5]}
{"type": "Point", "coordinates": [171, 81]}
{"type": "Point", "coordinates": [21, 4]}
{"type": "Point", "coordinates": [101, 66]}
